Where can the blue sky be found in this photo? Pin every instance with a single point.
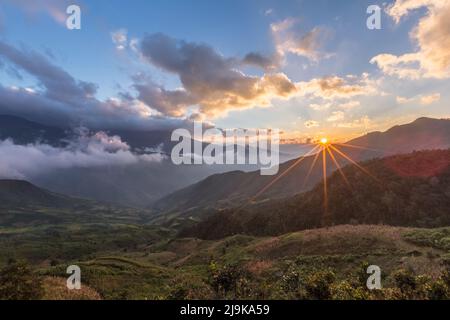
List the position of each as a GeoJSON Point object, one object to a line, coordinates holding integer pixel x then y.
{"type": "Point", "coordinates": [322, 39]}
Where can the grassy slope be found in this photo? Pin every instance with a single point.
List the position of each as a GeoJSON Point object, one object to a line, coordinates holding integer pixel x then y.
{"type": "Point", "coordinates": [152, 269]}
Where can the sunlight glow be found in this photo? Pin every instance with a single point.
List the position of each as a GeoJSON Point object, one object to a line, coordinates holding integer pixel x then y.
{"type": "Point", "coordinates": [323, 148]}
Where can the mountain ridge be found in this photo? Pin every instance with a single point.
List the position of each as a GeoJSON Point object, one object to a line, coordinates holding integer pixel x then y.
{"type": "Point", "coordinates": [233, 188]}
{"type": "Point", "coordinates": [409, 190]}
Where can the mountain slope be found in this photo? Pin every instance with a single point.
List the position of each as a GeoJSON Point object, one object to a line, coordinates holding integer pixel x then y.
{"type": "Point", "coordinates": [23, 204]}
{"type": "Point", "coordinates": [232, 188]}
{"type": "Point", "coordinates": [402, 190]}
{"type": "Point", "coordinates": [22, 193]}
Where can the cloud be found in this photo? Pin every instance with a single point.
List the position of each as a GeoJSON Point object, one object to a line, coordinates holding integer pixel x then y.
{"type": "Point", "coordinates": [268, 12]}
{"type": "Point", "coordinates": [422, 99]}
{"type": "Point", "coordinates": [327, 105]}
{"type": "Point", "coordinates": [311, 124]}
{"type": "Point", "coordinates": [258, 60]}
{"type": "Point", "coordinates": [334, 87]}
{"type": "Point", "coordinates": [349, 104]}
{"type": "Point", "coordinates": [403, 100]}
{"type": "Point", "coordinates": [84, 151]}
{"type": "Point", "coordinates": [305, 44]}
{"type": "Point", "coordinates": [336, 116]}
{"type": "Point", "coordinates": [321, 106]}
{"type": "Point", "coordinates": [363, 122]}
{"type": "Point", "coordinates": [120, 38]}
{"type": "Point", "coordinates": [432, 36]}
{"type": "Point", "coordinates": [401, 8]}
{"type": "Point", "coordinates": [59, 85]}
{"type": "Point", "coordinates": [429, 99]}
{"type": "Point", "coordinates": [56, 9]}
{"type": "Point", "coordinates": [60, 99]}
{"type": "Point", "coordinates": [210, 81]}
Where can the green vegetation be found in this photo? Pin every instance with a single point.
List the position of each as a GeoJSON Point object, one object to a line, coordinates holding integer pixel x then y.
{"type": "Point", "coordinates": [19, 282]}
{"type": "Point", "coordinates": [271, 250]}
{"type": "Point", "coordinates": [327, 263]}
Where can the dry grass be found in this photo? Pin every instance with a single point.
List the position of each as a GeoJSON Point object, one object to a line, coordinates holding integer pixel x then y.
{"type": "Point", "coordinates": [55, 289]}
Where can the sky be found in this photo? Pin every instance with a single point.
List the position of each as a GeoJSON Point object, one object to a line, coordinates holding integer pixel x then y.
{"type": "Point", "coordinates": [308, 68]}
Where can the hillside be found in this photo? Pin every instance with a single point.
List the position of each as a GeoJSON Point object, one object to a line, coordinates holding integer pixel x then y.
{"type": "Point", "coordinates": [402, 190]}
{"type": "Point", "coordinates": [277, 267]}
{"type": "Point", "coordinates": [232, 188]}
{"type": "Point", "coordinates": [22, 193]}
{"type": "Point", "coordinates": [23, 204]}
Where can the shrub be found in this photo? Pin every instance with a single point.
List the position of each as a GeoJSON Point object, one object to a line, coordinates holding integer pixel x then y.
{"type": "Point", "coordinates": [230, 279]}
{"type": "Point", "coordinates": [18, 282]}
{"type": "Point", "coordinates": [318, 284]}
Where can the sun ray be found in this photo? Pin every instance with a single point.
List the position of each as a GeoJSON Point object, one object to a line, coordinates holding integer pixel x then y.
{"type": "Point", "coordinates": [310, 169]}
{"type": "Point", "coordinates": [325, 186]}
{"type": "Point", "coordinates": [356, 164]}
{"type": "Point", "coordinates": [338, 166]}
{"type": "Point", "coordinates": [363, 148]}
{"type": "Point", "coordinates": [271, 183]}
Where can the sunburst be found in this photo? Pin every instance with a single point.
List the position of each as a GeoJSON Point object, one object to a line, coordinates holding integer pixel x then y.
{"type": "Point", "coordinates": [321, 149]}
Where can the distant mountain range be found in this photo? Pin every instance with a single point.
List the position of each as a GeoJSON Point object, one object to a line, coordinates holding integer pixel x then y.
{"type": "Point", "coordinates": [402, 190]}
{"type": "Point", "coordinates": [154, 184]}
{"type": "Point", "coordinates": [132, 185]}
{"type": "Point", "coordinates": [234, 188]}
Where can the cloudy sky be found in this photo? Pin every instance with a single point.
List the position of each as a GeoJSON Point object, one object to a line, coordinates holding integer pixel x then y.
{"type": "Point", "coordinates": [310, 68]}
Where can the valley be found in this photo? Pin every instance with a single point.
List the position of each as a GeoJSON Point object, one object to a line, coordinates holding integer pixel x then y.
{"type": "Point", "coordinates": [203, 243]}
{"type": "Point", "coordinates": [277, 249]}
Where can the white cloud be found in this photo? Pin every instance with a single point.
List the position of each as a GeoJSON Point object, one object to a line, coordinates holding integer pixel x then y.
{"type": "Point", "coordinates": [334, 87]}
{"type": "Point", "coordinates": [403, 100]}
{"type": "Point", "coordinates": [349, 105]}
{"type": "Point", "coordinates": [422, 99]}
{"type": "Point", "coordinates": [363, 122]}
{"type": "Point", "coordinates": [306, 44]}
{"type": "Point", "coordinates": [99, 149]}
{"type": "Point", "coordinates": [320, 106]}
{"type": "Point", "coordinates": [336, 116]}
{"type": "Point", "coordinates": [120, 38]}
{"type": "Point", "coordinates": [432, 36]}
{"type": "Point", "coordinates": [429, 99]}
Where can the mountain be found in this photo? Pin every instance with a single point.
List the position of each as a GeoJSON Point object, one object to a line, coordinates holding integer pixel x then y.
{"type": "Point", "coordinates": [23, 131]}
{"type": "Point", "coordinates": [22, 193]}
{"type": "Point", "coordinates": [410, 190]}
{"type": "Point", "coordinates": [233, 188]}
{"type": "Point", "coordinates": [132, 185]}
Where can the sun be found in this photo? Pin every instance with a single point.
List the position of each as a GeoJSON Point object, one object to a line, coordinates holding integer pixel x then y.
{"type": "Point", "coordinates": [323, 141]}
